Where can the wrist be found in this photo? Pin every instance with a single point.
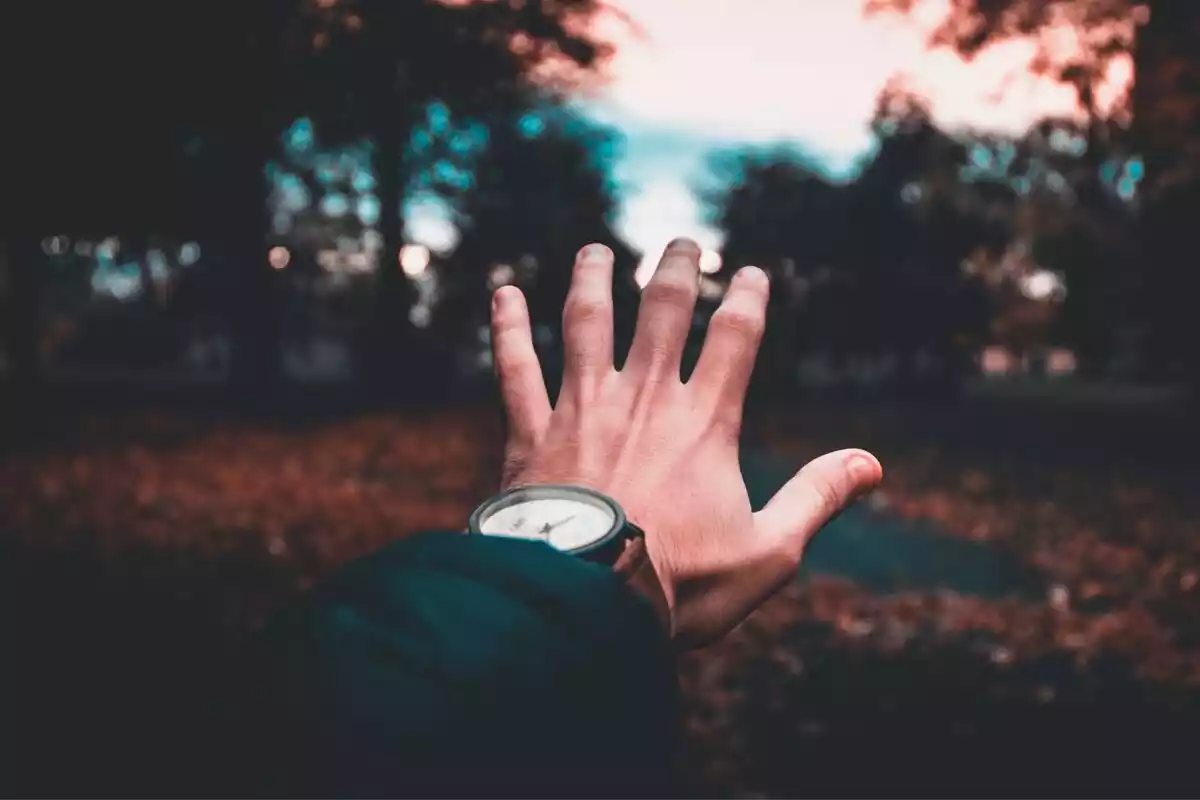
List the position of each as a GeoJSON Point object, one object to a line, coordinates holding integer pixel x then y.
{"type": "Point", "coordinates": [637, 570]}
{"type": "Point", "coordinates": [582, 522]}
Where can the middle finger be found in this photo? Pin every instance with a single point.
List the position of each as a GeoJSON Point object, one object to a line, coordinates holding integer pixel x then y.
{"type": "Point", "coordinates": [665, 313]}
{"type": "Point", "coordinates": [588, 321]}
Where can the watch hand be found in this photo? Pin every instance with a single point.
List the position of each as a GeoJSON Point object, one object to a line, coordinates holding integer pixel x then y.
{"type": "Point", "coordinates": [549, 526]}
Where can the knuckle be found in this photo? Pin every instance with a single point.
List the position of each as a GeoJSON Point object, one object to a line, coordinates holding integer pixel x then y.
{"type": "Point", "coordinates": [509, 361]}
{"type": "Point", "coordinates": [744, 323]}
{"type": "Point", "coordinates": [583, 308]}
{"type": "Point", "coordinates": [829, 499]}
{"type": "Point", "coordinates": [725, 424]}
{"type": "Point", "coordinates": [502, 325]}
{"type": "Point", "coordinates": [658, 358]}
{"type": "Point", "coordinates": [672, 291]}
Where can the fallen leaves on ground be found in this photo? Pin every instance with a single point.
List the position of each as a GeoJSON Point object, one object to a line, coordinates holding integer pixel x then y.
{"type": "Point", "coordinates": [275, 509]}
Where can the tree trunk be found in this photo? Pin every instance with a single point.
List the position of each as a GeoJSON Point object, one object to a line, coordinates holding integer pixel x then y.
{"type": "Point", "coordinates": [389, 347]}
{"type": "Point", "coordinates": [249, 284]}
{"type": "Point", "coordinates": [394, 286]}
{"type": "Point", "coordinates": [23, 314]}
{"type": "Point", "coordinates": [237, 203]}
{"type": "Point", "coordinates": [139, 248]}
{"type": "Point", "coordinates": [1166, 119]}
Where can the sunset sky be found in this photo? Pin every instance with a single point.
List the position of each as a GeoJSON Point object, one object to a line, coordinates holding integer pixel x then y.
{"type": "Point", "coordinates": [703, 74]}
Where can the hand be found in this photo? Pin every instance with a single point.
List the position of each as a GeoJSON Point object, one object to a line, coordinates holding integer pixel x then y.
{"type": "Point", "coordinates": [667, 451]}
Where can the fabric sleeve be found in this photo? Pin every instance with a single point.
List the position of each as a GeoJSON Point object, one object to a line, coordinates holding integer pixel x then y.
{"type": "Point", "coordinates": [447, 664]}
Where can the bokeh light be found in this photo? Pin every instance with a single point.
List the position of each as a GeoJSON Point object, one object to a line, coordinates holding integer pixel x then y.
{"type": "Point", "coordinates": [189, 254]}
{"type": "Point", "coordinates": [414, 259]}
{"type": "Point", "coordinates": [996, 361]}
{"type": "Point", "coordinates": [279, 257]}
{"type": "Point", "coordinates": [711, 289]}
{"type": "Point", "coordinates": [1042, 285]}
{"type": "Point", "coordinates": [107, 249]}
{"type": "Point", "coordinates": [501, 275]}
{"type": "Point", "coordinates": [710, 262]}
{"type": "Point", "coordinates": [55, 245]}
{"type": "Point", "coordinates": [1060, 361]}
{"type": "Point", "coordinates": [367, 209]}
{"type": "Point", "coordinates": [421, 316]}
{"type": "Point", "coordinates": [335, 205]}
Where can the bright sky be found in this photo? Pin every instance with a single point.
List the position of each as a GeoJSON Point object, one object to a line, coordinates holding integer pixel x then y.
{"type": "Point", "coordinates": [711, 73]}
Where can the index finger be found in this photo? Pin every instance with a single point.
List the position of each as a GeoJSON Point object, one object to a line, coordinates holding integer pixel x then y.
{"type": "Point", "coordinates": [518, 370]}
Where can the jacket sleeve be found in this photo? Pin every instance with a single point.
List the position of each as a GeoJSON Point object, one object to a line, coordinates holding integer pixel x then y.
{"type": "Point", "coordinates": [448, 665]}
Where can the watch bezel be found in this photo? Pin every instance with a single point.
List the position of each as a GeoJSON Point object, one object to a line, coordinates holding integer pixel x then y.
{"type": "Point", "coordinates": [519, 494]}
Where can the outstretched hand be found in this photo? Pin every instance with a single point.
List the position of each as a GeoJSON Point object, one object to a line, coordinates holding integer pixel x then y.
{"type": "Point", "coordinates": [666, 450]}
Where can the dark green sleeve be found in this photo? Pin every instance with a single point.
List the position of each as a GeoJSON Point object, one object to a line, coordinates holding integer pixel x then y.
{"type": "Point", "coordinates": [449, 665]}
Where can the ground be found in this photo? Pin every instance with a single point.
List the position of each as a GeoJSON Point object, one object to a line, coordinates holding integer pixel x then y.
{"type": "Point", "coordinates": [1016, 607]}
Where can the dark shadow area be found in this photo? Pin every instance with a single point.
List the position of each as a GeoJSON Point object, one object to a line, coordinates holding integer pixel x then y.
{"type": "Point", "coordinates": [123, 678]}
{"type": "Point", "coordinates": [942, 721]}
{"type": "Point", "coordinates": [121, 674]}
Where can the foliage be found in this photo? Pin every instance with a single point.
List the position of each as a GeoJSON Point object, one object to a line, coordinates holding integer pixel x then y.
{"type": "Point", "coordinates": [169, 133]}
{"type": "Point", "coordinates": [1158, 119]}
{"type": "Point", "coordinates": [868, 266]}
{"type": "Point", "coordinates": [541, 188]}
{"type": "Point", "coordinates": [1103, 32]}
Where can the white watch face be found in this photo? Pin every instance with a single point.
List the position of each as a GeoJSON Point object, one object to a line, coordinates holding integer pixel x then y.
{"type": "Point", "coordinates": [567, 522]}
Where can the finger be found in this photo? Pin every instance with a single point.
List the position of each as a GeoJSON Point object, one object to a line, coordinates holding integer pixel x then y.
{"type": "Point", "coordinates": [665, 313]}
{"type": "Point", "coordinates": [815, 495]}
{"type": "Point", "coordinates": [588, 318]}
{"type": "Point", "coordinates": [520, 375]}
{"type": "Point", "coordinates": [735, 331]}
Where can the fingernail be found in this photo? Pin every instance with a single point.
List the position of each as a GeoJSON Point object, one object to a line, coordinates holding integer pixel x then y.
{"type": "Point", "coordinates": [683, 244]}
{"type": "Point", "coordinates": [752, 276]}
{"type": "Point", "coordinates": [863, 467]}
{"type": "Point", "coordinates": [594, 254]}
{"type": "Point", "coordinates": [499, 299]}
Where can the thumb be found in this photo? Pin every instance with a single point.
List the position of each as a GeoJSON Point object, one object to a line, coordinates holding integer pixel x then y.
{"type": "Point", "coordinates": [816, 494]}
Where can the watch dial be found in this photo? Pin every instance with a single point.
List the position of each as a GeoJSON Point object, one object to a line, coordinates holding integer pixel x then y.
{"type": "Point", "coordinates": [566, 523]}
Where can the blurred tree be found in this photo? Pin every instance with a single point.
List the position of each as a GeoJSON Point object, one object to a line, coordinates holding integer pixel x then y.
{"type": "Point", "coordinates": [1166, 126]}
{"type": "Point", "coordinates": [133, 134]}
{"type": "Point", "coordinates": [184, 122]}
{"type": "Point", "coordinates": [883, 198]}
{"type": "Point", "coordinates": [1084, 234]}
{"type": "Point", "coordinates": [541, 189]}
{"type": "Point", "coordinates": [926, 218]}
{"type": "Point", "coordinates": [1103, 33]}
{"type": "Point", "coordinates": [394, 59]}
{"type": "Point", "coordinates": [778, 211]}
{"type": "Point", "coordinates": [1158, 119]}
{"type": "Point", "coordinates": [872, 267]}
{"type": "Point", "coordinates": [84, 145]}
{"type": "Point", "coordinates": [20, 306]}
{"type": "Point", "coordinates": [770, 204]}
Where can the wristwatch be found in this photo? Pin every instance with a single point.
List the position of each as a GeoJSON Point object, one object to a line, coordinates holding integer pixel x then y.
{"type": "Point", "coordinates": [580, 522]}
